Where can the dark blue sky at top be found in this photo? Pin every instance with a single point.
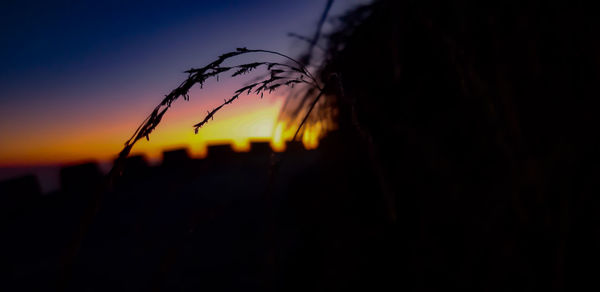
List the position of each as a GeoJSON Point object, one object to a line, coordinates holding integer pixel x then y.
{"type": "Point", "coordinates": [56, 56]}
{"type": "Point", "coordinates": [42, 38]}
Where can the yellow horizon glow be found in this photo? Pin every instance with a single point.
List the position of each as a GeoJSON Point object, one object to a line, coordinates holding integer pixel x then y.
{"type": "Point", "coordinates": [248, 119]}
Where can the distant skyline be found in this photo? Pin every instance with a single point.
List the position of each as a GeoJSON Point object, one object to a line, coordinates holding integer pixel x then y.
{"type": "Point", "coordinates": [77, 77]}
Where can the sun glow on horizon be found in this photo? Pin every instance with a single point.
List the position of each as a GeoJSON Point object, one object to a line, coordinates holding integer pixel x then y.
{"type": "Point", "coordinates": [250, 119]}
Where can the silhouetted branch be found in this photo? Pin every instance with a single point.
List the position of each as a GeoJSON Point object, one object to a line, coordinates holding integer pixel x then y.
{"type": "Point", "coordinates": [306, 39]}
{"type": "Point", "coordinates": [312, 106]}
{"type": "Point", "coordinates": [281, 74]}
{"type": "Point", "coordinates": [306, 58]}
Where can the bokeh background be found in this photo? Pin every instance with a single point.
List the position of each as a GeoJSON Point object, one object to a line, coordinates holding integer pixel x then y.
{"type": "Point", "coordinates": [78, 77]}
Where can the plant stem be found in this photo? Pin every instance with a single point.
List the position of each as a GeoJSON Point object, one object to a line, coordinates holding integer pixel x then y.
{"type": "Point", "coordinates": [312, 106]}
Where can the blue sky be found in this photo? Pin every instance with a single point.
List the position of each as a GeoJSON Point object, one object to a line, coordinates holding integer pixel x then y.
{"type": "Point", "coordinates": [71, 68]}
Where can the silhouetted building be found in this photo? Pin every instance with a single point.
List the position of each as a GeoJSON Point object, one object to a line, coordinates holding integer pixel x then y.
{"type": "Point", "coordinates": [18, 195]}
{"type": "Point", "coordinates": [220, 154]}
{"type": "Point", "coordinates": [294, 147]}
{"type": "Point", "coordinates": [175, 157]}
{"type": "Point", "coordinates": [260, 148]}
{"type": "Point", "coordinates": [80, 178]}
{"type": "Point", "coordinates": [135, 164]}
{"type": "Point", "coordinates": [25, 186]}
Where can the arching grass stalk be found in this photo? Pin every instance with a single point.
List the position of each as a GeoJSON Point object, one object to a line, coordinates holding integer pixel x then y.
{"type": "Point", "coordinates": [280, 74]}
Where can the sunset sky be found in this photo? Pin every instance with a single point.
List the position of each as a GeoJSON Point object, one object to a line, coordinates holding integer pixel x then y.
{"type": "Point", "coordinates": [78, 77]}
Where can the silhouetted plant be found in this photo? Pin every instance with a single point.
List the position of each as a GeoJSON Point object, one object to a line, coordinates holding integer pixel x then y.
{"type": "Point", "coordinates": [279, 74]}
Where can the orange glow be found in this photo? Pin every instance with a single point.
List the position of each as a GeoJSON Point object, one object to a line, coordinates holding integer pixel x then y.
{"type": "Point", "coordinates": [102, 137]}
{"type": "Point", "coordinates": [310, 138]}
{"type": "Point", "coordinates": [71, 137]}
{"type": "Point", "coordinates": [310, 135]}
{"type": "Point", "coordinates": [278, 142]}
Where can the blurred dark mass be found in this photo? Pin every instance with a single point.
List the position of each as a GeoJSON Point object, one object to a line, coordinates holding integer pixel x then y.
{"type": "Point", "coordinates": [464, 157]}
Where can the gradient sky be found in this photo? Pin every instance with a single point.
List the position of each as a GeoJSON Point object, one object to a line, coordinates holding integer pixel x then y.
{"type": "Point", "coordinates": [77, 77]}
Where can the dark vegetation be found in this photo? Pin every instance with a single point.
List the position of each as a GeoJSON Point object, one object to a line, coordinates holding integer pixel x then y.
{"type": "Point", "coordinates": [464, 157]}
{"type": "Point", "coordinates": [477, 120]}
